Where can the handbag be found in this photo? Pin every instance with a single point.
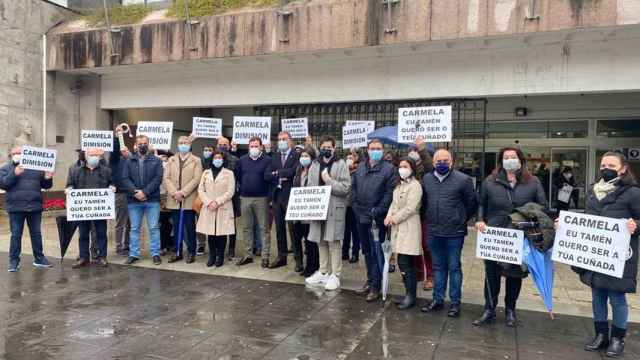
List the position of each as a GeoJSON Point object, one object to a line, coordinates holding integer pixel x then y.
{"type": "Point", "coordinates": [197, 202]}
{"type": "Point", "coordinates": [564, 194]}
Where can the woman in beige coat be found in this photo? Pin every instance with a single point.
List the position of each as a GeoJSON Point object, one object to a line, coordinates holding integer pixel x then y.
{"type": "Point", "coordinates": [406, 231]}
{"type": "Point", "coordinates": [216, 190]}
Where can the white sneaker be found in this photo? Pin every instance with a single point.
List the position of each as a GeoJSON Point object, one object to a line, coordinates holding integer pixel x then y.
{"type": "Point", "coordinates": [317, 278]}
{"type": "Point", "coordinates": [333, 283]}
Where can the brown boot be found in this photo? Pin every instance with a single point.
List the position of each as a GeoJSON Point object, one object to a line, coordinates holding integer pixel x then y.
{"type": "Point", "coordinates": [373, 296]}
{"type": "Point", "coordinates": [80, 263]}
{"type": "Point", "coordinates": [428, 284]}
{"type": "Point", "coordinates": [102, 262]}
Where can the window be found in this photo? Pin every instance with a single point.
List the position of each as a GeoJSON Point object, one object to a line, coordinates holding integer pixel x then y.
{"type": "Point", "coordinates": [537, 129]}
{"type": "Point", "coordinates": [619, 128]}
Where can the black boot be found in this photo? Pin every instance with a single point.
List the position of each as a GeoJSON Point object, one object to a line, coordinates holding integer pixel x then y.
{"type": "Point", "coordinates": [510, 318]}
{"type": "Point", "coordinates": [232, 246]}
{"type": "Point", "coordinates": [212, 255]}
{"type": "Point", "coordinates": [616, 345]}
{"type": "Point", "coordinates": [299, 265]}
{"type": "Point", "coordinates": [410, 284]}
{"type": "Point", "coordinates": [488, 316]}
{"type": "Point", "coordinates": [601, 340]}
{"type": "Point", "coordinates": [220, 246]}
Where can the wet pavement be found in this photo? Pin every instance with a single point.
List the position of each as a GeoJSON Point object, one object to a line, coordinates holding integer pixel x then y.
{"type": "Point", "coordinates": [126, 312]}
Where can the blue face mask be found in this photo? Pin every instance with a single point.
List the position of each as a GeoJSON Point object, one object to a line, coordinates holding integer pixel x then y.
{"type": "Point", "coordinates": [442, 168]}
{"type": "Point", "coordinates": [207, 154]}
{"type": "Point", "coordinates": [375, 155]}
{"type": "Point", "coordinates": [184, 148]}
{"type": "Point", "coordinates": [305, 161]}
{"type": "Point", "coordinates": [93, 161]}
{"type": "Point", "coordinates": [218, 162]}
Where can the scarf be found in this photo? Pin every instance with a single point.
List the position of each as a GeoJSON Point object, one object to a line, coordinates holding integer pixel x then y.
{"type": "Point", "coordinates": [602, 188]}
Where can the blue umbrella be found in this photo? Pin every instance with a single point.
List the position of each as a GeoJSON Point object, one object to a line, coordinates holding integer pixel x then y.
{"type": "Point", "coordinates": [180, 233]}
{"type": "Point", "coordinates": [389, 135]}
{"type": "Point", "coordinates": [541, 269]}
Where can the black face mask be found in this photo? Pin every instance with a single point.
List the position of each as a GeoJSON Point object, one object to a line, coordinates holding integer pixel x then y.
{"type": "Point", "coordinates": [325, 153]}
{"type": "Point", "coordinates": [608, 174]}
{"type": "Point", "coordinates": [143, 149]}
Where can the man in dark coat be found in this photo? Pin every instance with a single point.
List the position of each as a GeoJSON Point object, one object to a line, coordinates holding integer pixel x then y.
{"type": "Point", "coordinates": [280, 175]}
{"type": "Point", "coordinates": [23, 202]}
{"type": "Point", "coordinates": [372, 190]}
{"type": "Point", "coordinates": [449, 201]}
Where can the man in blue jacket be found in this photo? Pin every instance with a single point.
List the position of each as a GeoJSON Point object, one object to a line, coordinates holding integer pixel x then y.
{"type": "Point", "coordinates": [23, 202]}
{"type": "Point", "coordinates": [372, 191]}
{"type": "Point", "coordinates": [141, 179]}
{"type": "Point", "coordinates": [254, 202]}
{"type": "Point", "coordinates": [449, 201]}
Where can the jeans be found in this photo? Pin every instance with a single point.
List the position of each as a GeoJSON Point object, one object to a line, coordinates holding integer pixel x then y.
{"type": "Point", "coordinates": [137, 211]}
{"type": "Point", "coordinates": [351, 234]}
{"type": "Point", "coordinates": [255, 211]}
{"type": "Point", "coordinates": [373, 256]}
{"type": "Point", "coordinates": [100, 239]}
{"type": "Point", "coordinates": [189, 226]}
{"type": "Point", "coordinates": [16, 223]}
{"type": "Point", "coordinates": [446, 253]}
{"type": "Point", "coordinates": [123, 225]}
{"type": "Point", "coordinates": [619, 306]}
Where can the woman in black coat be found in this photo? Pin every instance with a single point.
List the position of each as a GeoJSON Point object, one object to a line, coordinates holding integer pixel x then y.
{"type": "Point", "coordinates": [508, 187]}
{"type": "Point", "coordinates": [615, 195]}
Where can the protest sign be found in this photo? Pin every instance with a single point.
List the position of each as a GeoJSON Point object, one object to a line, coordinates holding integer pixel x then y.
{"type": "Point", "coordinates": [158, 132]}
{"type": "Point", "coordinates": [592, 242]}
{"type": "Point", "coordinates": [38, 158]}
{"type": "Point", "coordinates": [499, 244]}
{"type": "Point", "coordinates": [433, 123]}
{"type": "Point", "coordinates": [309, 203]}
{"type": "Point", "coordinates": [371, 125]}
{"type": "Point", "coordinates": [90, 204]}
{"type": "Point", "coordinates": [99, 139]}
{"type": "Point", "coordinates": [355, 135]}
{"type": "Point", "coordinates": [246, 127]}
{"type": "Point", "coordinates": [298, 128]}
{"type": "Point", "coordinates": [210, 128]}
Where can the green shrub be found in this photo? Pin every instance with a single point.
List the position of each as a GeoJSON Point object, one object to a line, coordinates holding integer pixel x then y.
{"type": "Point", "coordinates": [118, 15]}
{"type": "Point", "coordinates": [199, 8]}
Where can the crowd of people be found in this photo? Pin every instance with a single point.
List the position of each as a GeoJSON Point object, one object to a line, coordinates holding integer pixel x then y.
{"type": "Point", "coordinates": [419, 202]}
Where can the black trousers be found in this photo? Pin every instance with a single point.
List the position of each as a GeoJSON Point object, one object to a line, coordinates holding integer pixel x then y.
{"type": "Point", "coordinates": [493, 272]}
{"type": "Point", "coordinates": [279, 213]}
{"type": "Point", "coordinates": [407, 266]}
{"type": "Point", "coordinates": [300, 234]}
{"type": "Point", "coordinates": [166, 238]}
{"type": "Point", "coordinates": [351, 234]}
{"type": "Point", "coordinates": [217, 245]}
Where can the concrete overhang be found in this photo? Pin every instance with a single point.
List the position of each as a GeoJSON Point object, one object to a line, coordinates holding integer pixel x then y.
{"type": "Point", "coordinates": [337, 29]}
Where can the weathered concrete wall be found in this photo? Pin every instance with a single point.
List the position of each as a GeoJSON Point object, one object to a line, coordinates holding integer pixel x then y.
{"type": "Point", "coordinates": [331, 24]}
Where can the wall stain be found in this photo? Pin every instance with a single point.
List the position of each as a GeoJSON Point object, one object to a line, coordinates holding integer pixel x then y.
{"type": "Point", "coordinates": [232, 35]}
{"type": "Point", "coordinates": [146, 42]}
{"type": "Point", "coordinates": [79, 41]}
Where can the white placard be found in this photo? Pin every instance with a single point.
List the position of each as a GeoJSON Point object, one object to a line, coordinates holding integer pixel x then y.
{"type": "Point", "coordinates": [90, 204]}
{"type": "Point", "coordinates": [592, 242]}
{"type": "Point", "coordinates": [298, 128]}
{"type": "Point", "coordinates": [100, 139]}
{"type": "Point", "coordinates": [309, 203]}
{"type": "Point", "coordinates": [371, 125]}
{"type": "Point", "coordinates": [35, 158]}
{"type": "Point", "coordinates": [500, 244]}
{"type": "Point", "coordinates": [246, 127]}
{"type": "Point", "coordinates": [433, 123]}
{"type": "Point", "coordinates": [355, 136]}
{"type": "Point", "coordinates": [158, 132]}
{"type": "Point", "coordinates": [633, 154]}
{"type": "Point", "coordinates": [210, 128]}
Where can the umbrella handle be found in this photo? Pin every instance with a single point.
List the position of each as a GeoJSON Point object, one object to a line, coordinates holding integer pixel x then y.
{"type": "Point", "coordinates": [551, 315]}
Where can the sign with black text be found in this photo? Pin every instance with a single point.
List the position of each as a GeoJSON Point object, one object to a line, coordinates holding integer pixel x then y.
{"type": "Point", "coordinates": [500, 244]}
{"type": "Point", "coordinates": [595, 243]}
{"type": "Point", "coordinates": [298, 128]}
{"type": "Point", "coordinates": [210, 128]}
{"type": "Point", "coordinates": [354, 135]}
{"type": "Point", "coordinates": [158, 132]}
{"type": "Point", "coordinates": [41, 159]}
{"type": "Point", "coordinates": [246, 127]}
{"type": "Point", "coordinates": [99, 139]}
{"type": "Point", "coordinates": [433, 123]}
{"type": "Point", "coordinates": [309, 203]}
{"type": "Point", "coordinates": [90, 204]}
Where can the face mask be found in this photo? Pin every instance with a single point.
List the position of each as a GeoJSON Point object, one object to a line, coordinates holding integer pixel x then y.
{"type": "Point", "coordinates": [404, 173]}
{"type": "Point", "coordinates": [254, 152]}
{"type": "Point", "coordinates": [283, 145]}
{"type": "Point", "coordinates": [207, 154]}
{"type": "Point", "coordinates": [375, 155]}
{"type": "Point", "coordinates": [16, 158]}
{"type": "Point", "coordinates": [223, 148]}
{"type": "Point", "coordinates": [305, 161]}
{"type": "Point", "coordinates": [93, 161]}
{"type": "Point", "coordinates": [143, 149]}
{"type": "Point", "coordinates": [349, 163]}
{"type": "Point", "coordinates": [217, 162]}
{"type": "Point", "coordinates": [511, 164]}
{"type": "Point", "coordinates": [325, 153]}
{"type": "Point", "coordinates": [442, 168]}
{"type": "Point", "coordinates": [568, 176]}
{"type": "Point", "coordinates": [184, 148]}
{"type": "Point", "coordinates": [608, 174]}
{"type": "Point", "coordinates": [414, 156]}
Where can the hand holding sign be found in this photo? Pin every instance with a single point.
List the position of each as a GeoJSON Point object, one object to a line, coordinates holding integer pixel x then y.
{"type": "Point", "coordinates": [481, 226]}
{"type": "Point", "coordinates": [632, 226]}
{"type": "Point", "coordinates": [19, 170]}
{"type": "Point", "coordinates": [48, 175]}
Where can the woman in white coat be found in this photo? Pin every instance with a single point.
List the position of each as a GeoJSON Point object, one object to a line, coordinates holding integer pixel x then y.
{"type": "Point", "coordinates": [406, 236]}
{"type": "Point", "coordinates": [216, 190]}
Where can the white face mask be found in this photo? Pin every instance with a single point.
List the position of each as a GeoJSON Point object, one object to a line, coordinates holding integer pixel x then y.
{"type": "Point", "coordinates": [254, 152]}
{"type": "Point", "coordinates": [567, 176]}
{"type": "Point", "coordinates": [283, 145]}
{"type": "Point", "coordinates": [16, 158]}
{"type": "Point", "coordinates": [511, 164]}
{"type": "Point", "coordinates": [404, 173]}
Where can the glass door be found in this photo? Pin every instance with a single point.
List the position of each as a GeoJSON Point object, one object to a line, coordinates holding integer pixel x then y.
{"type": "Point", "coordinates": [568, 170]}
